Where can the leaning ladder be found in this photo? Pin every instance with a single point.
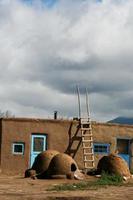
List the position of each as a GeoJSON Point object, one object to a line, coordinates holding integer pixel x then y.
{"type": "Point", "coordinates": [86, 135]}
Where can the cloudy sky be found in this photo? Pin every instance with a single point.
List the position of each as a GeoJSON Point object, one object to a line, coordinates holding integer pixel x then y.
{"type": "Point", "coordinates": [47, 47]}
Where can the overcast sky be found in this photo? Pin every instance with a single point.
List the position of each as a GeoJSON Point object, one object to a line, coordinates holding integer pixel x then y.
{"type": "Point", "coordinates": [48, 47]}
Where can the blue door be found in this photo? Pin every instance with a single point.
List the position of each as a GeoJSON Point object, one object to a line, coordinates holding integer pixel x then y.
{"type": "Point", "coordinates": [126, 157]}
{"type": "Point", "coordinates": [123, 146]}
{"type": "Point", "coordinates": [38, 144]}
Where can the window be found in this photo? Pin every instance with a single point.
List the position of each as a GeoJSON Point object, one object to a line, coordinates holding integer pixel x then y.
{"type": "Point", "coordinates": [101, 148]}
{"type": "Point", "coordinates": [38, 144]}
{"type": "Point", "coordinates": [123, 146]}
{"type": "Point", "coordinates": [18, 148]}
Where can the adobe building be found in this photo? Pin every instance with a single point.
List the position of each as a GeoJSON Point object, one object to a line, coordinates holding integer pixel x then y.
{"type": "Point", "coordinates": [21, 139]}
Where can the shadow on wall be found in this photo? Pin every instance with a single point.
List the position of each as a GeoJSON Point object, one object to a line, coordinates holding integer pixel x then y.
{"type": "Point", "coordinates": [74, 140]}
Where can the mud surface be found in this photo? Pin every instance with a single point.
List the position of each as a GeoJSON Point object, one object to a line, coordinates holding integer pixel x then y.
{"type": "Point", "coordinates": [18, 188]}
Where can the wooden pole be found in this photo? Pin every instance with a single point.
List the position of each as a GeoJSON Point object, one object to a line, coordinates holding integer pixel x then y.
{"type": "Point", "coordinates": [87, 104]}
{"type": "Point", "coordinates": [79, 107]}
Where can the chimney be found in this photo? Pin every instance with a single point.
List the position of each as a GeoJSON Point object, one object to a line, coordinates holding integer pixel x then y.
{"type": "Point", "coordinates": [55, 115]}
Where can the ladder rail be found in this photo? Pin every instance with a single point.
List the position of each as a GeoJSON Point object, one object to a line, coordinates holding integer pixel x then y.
{"type": "Point", "coordinates": [79, 104]}
{"type": "Point", "coordinates": [87, 104]}
{"type": "Point", "coordinates": [86, 132]}
{"type": "Point", "coordinates": [87, 144]}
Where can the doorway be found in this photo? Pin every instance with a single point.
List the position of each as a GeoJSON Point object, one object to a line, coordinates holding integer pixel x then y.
{"type": "Point", "coordinates": [123, 147]}
{"type": "Point", "coordinates": [38, 144]}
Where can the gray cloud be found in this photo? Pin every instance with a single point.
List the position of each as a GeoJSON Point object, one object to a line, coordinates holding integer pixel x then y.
{"type": "Point", "coordinates": [46, 52]}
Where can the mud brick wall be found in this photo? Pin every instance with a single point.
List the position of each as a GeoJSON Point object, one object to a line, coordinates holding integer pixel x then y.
{"type": "Point", "coordinates": [108, 133]}
{"type": "Point", "coordinates": [20, 130]}
{"type": "Point", "coordinates": [60, 136]}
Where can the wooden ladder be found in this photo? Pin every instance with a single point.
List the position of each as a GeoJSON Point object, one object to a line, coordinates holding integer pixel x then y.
{"type": "Point", "coordinates": [87, 144]}
{"type": "Point", "coordinates": [86, 135]}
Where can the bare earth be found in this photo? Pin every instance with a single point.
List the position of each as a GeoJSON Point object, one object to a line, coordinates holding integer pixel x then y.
{"type": "Point", "coordinates": [18, 188]}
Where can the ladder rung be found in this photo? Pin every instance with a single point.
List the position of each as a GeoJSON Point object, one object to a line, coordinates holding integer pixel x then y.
{"type": "Point", "coordinates": [92, 157]}
{"type": "Point", "coordinates": [91, 163]}
{"type": "Point", "coordinates": [85, 160]}
{"type": "Point", "coordinates": [89, 167]}
{"type": "Point", "coordinates": [84, 118]}
{"type": "Point", "coordinates": [85, 129]}
{"type": "Point", "coordinates": [82, 121]}
{"type": "Point", "coordinates": [87, 142]}
{"type": "Point", "coordinates": [83, 140]}
{"type": "Point", "coordinates": [87, 138]}
{"type": "Point", "coordinates": [86, 153]}
{"type": "Point", "coordinates": [84, 147]}
{"type": "Point", "coordinates": [87, 135]}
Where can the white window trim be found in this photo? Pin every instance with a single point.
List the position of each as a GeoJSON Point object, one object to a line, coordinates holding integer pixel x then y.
{"type": "Point", "coordinates": [13, 148]}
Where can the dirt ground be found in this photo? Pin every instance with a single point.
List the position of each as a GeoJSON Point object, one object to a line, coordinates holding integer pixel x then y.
{"type": "Point", "coordinates": [18, 188]}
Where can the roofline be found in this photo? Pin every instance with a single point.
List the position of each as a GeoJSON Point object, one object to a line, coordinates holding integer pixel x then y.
{"type": "Point", "coordinates": [24, 119]}
{"type": "Point", "coordinates": [113, 124]}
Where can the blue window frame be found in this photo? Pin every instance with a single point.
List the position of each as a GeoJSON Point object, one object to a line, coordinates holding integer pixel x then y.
{"type": "Point", "coordinates": [101, 148]}
{"type": "Point", "coordinates": [18, 148]}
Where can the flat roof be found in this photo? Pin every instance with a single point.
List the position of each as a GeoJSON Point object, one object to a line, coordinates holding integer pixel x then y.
{"type": "Point", "coordinates": [24, 119]}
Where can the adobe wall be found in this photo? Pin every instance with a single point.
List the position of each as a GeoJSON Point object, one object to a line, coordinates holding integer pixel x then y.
{"type": "Point", "coordinates": [108, 133]}
{"type": "Point", "coordinates": [18, 130]}
{"type": "Point", "coordinates": [0, 140]}
{"type": "Point", "coordinates": [104, 133]}
{"type": "Point", "coordinates": [59, 137]}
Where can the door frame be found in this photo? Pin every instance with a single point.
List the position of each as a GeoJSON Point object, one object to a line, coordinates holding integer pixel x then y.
{"type": "Point", "coordinates": [31, 143]}
{"type": "Point", "coordinates": [129, 150]}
